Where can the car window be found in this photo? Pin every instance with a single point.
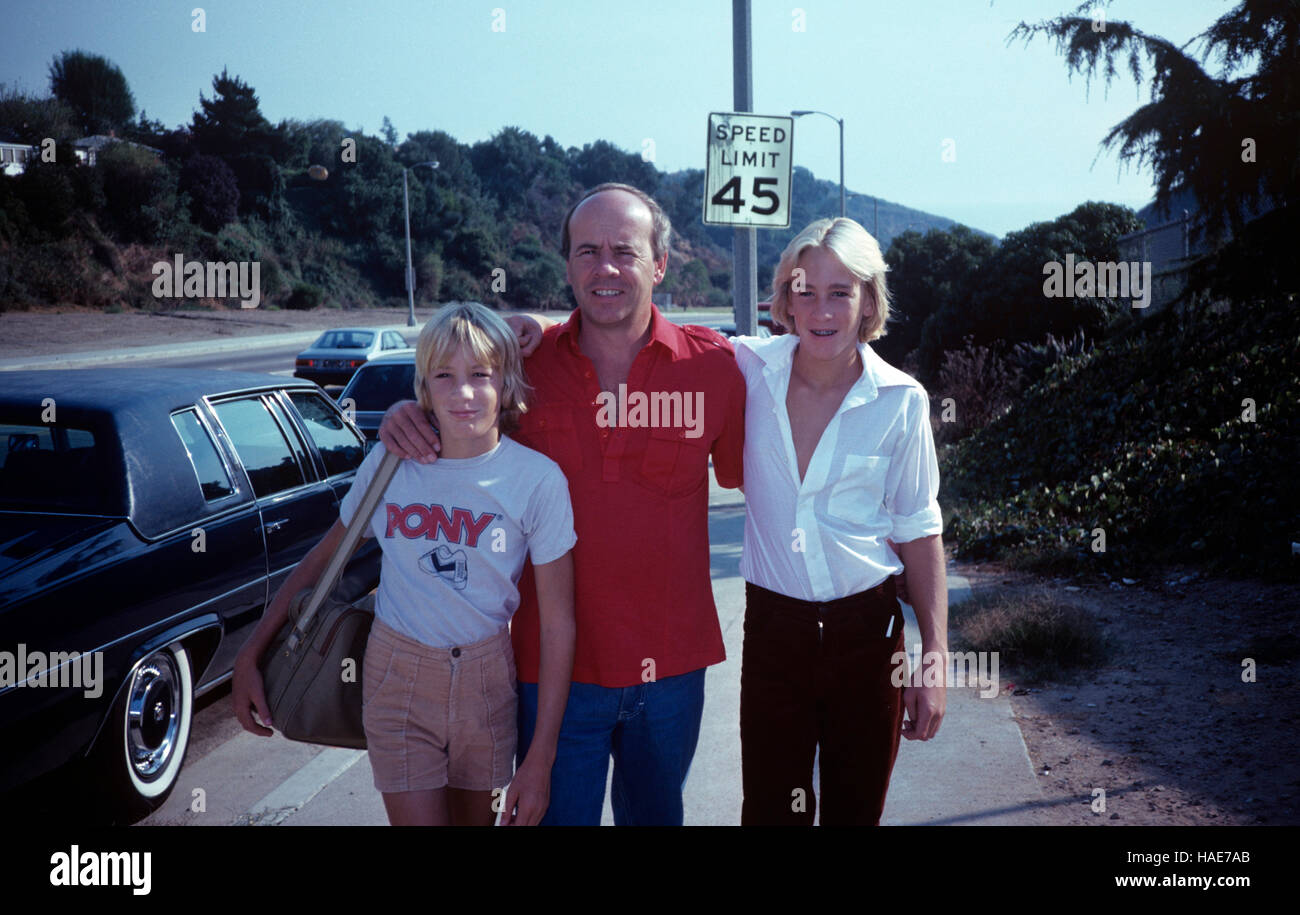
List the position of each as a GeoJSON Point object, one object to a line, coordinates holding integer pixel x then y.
{"type": "Point", "coordinates": [209, 469]}
{"type": "Point", "coordinates": [295, 438]}
{"type": "Point", "coordinates": [344, 339]}
{"type": "Point", "coordinates": [377, 387]}
{"type": "Point", "coordinates": [395, 340]}
{"type": "Point", "coordinates": [339, 446]}
{"type": "Point", "coordinates": [55, 468]}
{"type": "Point", "coordinates": [260, 445]}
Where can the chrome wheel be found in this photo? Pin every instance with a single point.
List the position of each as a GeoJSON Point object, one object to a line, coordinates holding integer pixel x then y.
{"type": "Point", "coordinates": [141, 750]}
{"type": "Point", "coordinates": [153, 716]}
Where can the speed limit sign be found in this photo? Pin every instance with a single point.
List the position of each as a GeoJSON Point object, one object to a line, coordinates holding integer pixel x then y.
{"type": "Point", "coordinates": [747, 182]}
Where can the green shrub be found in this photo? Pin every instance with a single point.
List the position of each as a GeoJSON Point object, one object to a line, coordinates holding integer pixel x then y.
{"type": "Point", "coordinates": [305, 297]}
{"type": "Point", "coordinates": [1177, 443]}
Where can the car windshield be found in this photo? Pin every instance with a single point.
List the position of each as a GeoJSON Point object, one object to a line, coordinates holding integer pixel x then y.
{"type": "Point", "coordinates": [344, 339]}
{"type": "Point", "coordinates": [378, 387]}
{"type": "Point", "coordinates": [54, 468]}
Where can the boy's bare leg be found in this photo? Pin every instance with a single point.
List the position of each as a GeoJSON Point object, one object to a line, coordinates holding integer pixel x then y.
{"type": "Point", "coordinates": [417, 808]}
{"type": "Point", "coordinates": [472, 808]}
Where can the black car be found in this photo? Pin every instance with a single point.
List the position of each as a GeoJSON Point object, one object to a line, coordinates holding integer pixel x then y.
{"type": "Point", "coordinates": [376, 386]}
{"type": "Point", "coordinates": [147, 516]}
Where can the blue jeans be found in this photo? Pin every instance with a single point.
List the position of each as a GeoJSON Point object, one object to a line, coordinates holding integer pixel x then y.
{"type": "Point", "coordinates": [650, 729]}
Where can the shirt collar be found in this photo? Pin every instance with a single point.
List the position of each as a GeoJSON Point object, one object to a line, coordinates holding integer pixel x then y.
{"type": "Point", "coordinates": [662, 331]}
{"type": "Point", "coordinates": [778, 359]}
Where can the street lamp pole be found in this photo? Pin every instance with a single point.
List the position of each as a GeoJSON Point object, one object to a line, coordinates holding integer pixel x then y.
{"type": "Point", "coordinates": [839, 121]}
{"type": "Point", "coordinates": [410, 268]}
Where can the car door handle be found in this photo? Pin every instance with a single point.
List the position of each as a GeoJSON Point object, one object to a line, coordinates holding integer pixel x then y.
{"type": "Point", "coordinates": [273, 526]}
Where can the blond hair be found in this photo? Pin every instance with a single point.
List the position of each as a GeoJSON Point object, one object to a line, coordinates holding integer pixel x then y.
{"type": "Point", "coordinates": [860, 255]}
{"type": "Point", "coordinates": [489, 340]}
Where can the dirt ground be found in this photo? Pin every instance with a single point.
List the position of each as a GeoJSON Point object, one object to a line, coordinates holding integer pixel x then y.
{"type": "Point", "coordinates": [1168, 730]}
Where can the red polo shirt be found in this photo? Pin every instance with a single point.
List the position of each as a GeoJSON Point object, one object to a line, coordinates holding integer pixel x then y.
{"type": "Point", "coordinates": [638, 478]}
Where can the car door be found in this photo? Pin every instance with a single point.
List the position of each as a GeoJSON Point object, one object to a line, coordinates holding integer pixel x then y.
{"type": "Point", "coordinates": [228, 575]}
{"type": "Point", "coordinates": [295, 505]}
{"type": "Point", "coordinates": [338, 449]}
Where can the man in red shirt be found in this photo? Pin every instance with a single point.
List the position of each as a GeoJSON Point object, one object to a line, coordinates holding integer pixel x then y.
{"type": "Point", "coordinates": [631, 406]}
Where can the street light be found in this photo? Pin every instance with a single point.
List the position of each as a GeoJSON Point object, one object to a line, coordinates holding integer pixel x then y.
{"type": "Point", "coordinates": [840, 121]}
{"type": "Point", "coordinates": [410, 269]}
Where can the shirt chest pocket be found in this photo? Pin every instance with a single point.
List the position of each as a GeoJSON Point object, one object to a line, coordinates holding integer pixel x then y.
{"type": "Point", "coordinates": [674, 464]}
{"type": "Point", "coordinates": [859, 492]}
{"type": "Point", "coordinates": [556, 436]}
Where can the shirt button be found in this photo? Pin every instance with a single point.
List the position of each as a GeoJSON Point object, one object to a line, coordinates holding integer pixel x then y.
{"type": "Point", "coordinates": [455, 652]}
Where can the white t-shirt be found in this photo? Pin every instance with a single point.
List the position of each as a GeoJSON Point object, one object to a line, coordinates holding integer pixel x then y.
{"type": "Point", "coordinates": [454, 535]}
{"type": "Point", "coordinates": [873, 476]}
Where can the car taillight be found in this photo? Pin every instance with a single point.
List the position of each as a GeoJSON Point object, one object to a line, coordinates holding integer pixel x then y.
{"type": "Point", "coordinates": [303, 363]}
{"type": "Point", "coordinates": [357, 363]}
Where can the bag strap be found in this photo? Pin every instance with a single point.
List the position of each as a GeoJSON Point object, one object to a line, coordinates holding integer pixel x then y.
{"type": "Point", "coordinates": [347, 546]}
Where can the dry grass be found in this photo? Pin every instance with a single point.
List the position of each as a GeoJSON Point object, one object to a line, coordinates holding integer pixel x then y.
{"type": "Point", "coordinates": [1033, 631]}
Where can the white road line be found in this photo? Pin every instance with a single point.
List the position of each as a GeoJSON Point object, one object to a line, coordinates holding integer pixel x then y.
{"type": "Point", "coordinates": [297, 790]}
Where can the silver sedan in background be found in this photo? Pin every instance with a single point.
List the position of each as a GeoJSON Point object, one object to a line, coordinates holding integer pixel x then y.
{"type": "Point", "coordinates": [338, 353]}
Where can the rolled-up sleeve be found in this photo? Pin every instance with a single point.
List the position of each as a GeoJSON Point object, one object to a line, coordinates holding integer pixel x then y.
{"type": "Point", "coordinates": [912, 486]}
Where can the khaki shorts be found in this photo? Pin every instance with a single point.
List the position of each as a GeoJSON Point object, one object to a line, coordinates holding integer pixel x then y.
{"type": "Point", "coordinates": [439, 717]}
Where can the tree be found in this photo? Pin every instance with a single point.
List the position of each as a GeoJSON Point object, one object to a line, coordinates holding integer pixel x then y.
{"type": "Point", "coordinates": [602, 161]}
{"type": "Point", "coordinates": [46, 191]}
{"type": "Point", "coordinates": [926, 274]}
{"type": "Point", "coordinates": [26, 119]}
{"type": "Point", "coordinates": [998, 300]}
{"type": "Point", "coordinates": [514, 163]}
{"type": "Point", "coordinates": [213, 190]}
{"type": "Point", "coordinates": [94, 88]}
{"type": "Point", "coordinates": [1232, 139]}
{"type": "Point", "coordinates": [231, 123]}
{"type": "Point", "coordinates": [390, 133]}
{"type": "Point", "coordinates": [140, 192]}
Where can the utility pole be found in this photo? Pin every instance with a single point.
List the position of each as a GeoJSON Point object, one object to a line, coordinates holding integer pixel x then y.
{"type": "Point", "coordinates": [744, 241]}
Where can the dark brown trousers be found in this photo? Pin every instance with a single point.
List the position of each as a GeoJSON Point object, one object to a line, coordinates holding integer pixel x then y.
{"type": "Point", "coordinates": [819, 674]}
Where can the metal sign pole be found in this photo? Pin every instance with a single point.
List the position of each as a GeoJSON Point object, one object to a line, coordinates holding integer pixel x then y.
{"type": "Point", "coordinates": [744, 242]}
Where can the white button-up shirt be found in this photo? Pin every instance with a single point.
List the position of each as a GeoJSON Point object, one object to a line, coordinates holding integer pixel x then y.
{"type": "Point", "coordinates": [873, 475]}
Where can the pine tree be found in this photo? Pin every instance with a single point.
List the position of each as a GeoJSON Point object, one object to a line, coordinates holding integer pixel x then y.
{"type": "Point", "coordinates": [1232, 139]}
{"type": "Point", "coordinates": [231, 123]}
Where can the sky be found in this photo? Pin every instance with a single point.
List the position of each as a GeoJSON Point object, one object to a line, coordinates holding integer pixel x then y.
{"type": "Point", "coordinates": [907, 77]}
